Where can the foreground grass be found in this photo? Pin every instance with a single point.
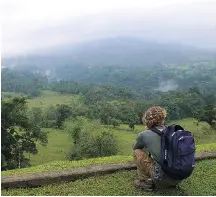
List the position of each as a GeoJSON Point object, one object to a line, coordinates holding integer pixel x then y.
{"type": "Point", "coordinates": [202, 182]}
{"type": "Point", "coordinates": [58, 165]}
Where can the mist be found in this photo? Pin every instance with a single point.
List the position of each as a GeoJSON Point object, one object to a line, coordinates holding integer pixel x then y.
{"type": "Point", "coordinates": [33, 27]}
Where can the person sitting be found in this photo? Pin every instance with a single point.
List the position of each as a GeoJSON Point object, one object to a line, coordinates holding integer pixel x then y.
{"type": "Point", "coordinates": [150, 173]}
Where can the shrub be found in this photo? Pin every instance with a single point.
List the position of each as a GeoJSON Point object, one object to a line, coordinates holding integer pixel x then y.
{"type": "Point", "coordinates": [90, 139]}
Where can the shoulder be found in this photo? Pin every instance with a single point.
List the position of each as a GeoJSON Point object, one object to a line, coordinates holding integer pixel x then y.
{"type": "Point", "coordinates": [144, 133]}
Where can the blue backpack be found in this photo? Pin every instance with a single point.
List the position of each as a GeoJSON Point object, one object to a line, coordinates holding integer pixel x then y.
{"type": "Point", "coordinates": [178, 152]}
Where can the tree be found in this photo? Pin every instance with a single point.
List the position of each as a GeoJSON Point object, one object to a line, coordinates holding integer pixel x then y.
{"type": "Point", "coordinates": [207, 114]}
{"type": "Point", "coordinates": [36, 115]}
{"type": "Point", "coordinates": [90, 139]}
{"type": "Point", "coordinates": [50, 116]}
{"type": "Point", "coordinates": [23, 81]}
{"type": "Point", "coordinates": [132, 125]}
{"type": "Point", "coordinates": [19, 134]}
{"type": "Point", "coordinates": [63, 112]}
{"type": "Point", "coordinates": [115, 122]}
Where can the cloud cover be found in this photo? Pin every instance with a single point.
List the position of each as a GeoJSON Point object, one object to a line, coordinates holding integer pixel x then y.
{"type": "Point", "coordinates": [29, 26]}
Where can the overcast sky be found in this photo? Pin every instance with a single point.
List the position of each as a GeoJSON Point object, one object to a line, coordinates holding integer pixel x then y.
{"type": "Point", "coordinates": [29, 25]}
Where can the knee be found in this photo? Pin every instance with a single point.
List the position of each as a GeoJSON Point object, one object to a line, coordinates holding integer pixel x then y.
{"type": "Point", "coordinates": [139, 153]}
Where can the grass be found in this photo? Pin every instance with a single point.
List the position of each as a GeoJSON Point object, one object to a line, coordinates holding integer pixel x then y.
{"type": "Point", "coordinates": [46, 99]}
{"type": "Point", "coordinates": [49, 98]}
{"type": "Point", "coordinates": [58, 147]}
{"type": "Point", "coordinates": [138, 128]}
{"type": "Point", "coordinates": [125, 141]}
{"type": "Point", "coordinates": [7, 95]}
{"type": "Point", "coordinates": [57, 165]}
{"type": "Point", "coordinates": [202, 133]}
{"type": "Point", "coordinates": [59, 144]}
{"type": "Point", "coordinates": [205, 147]}
{"type": "Point", "coordinates": [202, 182]}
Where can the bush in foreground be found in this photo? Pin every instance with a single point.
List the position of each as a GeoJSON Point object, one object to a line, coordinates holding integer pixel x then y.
{"type": "Point", "coordinates": [90, 139]}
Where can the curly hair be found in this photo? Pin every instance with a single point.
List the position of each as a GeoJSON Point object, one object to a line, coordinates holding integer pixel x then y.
{"type": "Point", "coordinates": [154, 116]}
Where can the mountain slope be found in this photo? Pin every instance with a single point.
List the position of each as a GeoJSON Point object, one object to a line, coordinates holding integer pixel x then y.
{"type": "Point", "coordinates": [110, 52]}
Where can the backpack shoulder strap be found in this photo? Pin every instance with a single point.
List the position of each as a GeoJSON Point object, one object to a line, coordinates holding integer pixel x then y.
{"type": "Point", "coordinates": [155, 130]}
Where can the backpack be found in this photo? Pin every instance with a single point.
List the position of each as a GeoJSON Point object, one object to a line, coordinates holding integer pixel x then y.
{"type": "Point", "coordinates": [178, 152]}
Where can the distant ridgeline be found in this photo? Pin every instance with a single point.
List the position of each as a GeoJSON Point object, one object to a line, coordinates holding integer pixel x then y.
{"type": "Point", "coordinates": [141, 82]}
{"type": "Point", "coordinates": [179, 88]}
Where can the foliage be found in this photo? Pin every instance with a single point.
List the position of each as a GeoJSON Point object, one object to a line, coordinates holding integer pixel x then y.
{"type": "Point", "coordinates": [63, 112]}
{"type": "Point", "coordinates": [23, 81]}
{"type": "Point", "coordinates": [207, 114]}
{"type": "Point", "coordinates": [115, 96]}
{"type": "Point", "coordinates": [19, 134]}
{"type": "Point", "coordinates": [90, 139]}
{"type": "Point", "coordinates": [125, 93]}
{"type": "Point", "coordinates": [52, 116]}
{"type": "Point", "coordinates": [36, 115]}
{"type": "Point", "coordinates": [115, 122]}
{"type": "Point", "coordinates": [57, 149]}
{"type": "Point", "coordinates": [131, 125]}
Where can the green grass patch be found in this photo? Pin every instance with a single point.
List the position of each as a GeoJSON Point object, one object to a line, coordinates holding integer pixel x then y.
{"type": "Point", "coordinates": [58, 165]}
{"type": "Point", "coordinates": [202, 133]}
{"type": "Point", "coordinates": [205, 147]}
{"type": "Point", "coordinates": [7, 95]}
{"type": "Point", "coordinates": [201, 182]}
{"type": "Point", "coordinates": [125, 141]}
{"type": "Point", "coordinates": [190, 124]}
{"type": "Point", "coordinates": [59, 144]}
{"type": "Point", "coordinates": [48, 98]}
{"type": "Point", "coordinates": [58, 147]}
{"type": "Point", "coordinates": [138, 128]}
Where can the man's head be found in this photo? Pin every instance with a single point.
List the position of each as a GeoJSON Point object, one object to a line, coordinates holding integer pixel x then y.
{"type": "Point", "coordinates": [154, 116]}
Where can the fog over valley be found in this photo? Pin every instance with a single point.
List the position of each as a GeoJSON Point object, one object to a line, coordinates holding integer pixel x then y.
{"type": "Point", "coordinates": [102, 41]}
{"type": "Point", "coordinates": [31, 27]}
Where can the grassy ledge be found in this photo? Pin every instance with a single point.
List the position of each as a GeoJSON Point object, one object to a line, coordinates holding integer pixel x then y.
{"type": "Point", "coordinates": [58, 165]}
{"type": "Point", "coordinates": [201, 183]}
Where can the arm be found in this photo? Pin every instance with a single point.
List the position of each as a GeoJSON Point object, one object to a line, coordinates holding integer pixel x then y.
{"type": "Point", "coordinates": [139, 144]}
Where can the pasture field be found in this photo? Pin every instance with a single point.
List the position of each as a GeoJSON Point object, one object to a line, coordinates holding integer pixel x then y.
{"type": "Point", "coordinates": [58, 147]}
{"type": "Point", "coordinates": [49, 98]}
{"type": "Point", "coordinates": [200, 183]}
{"type": "Point", "coordinates": [59, 142]}
{"type": "Point", "coordinates": [54, 157]}
{"type": "Point", "coordinates": [7, 95]}
{"type": "Point", "coordinates": [46, 99]}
